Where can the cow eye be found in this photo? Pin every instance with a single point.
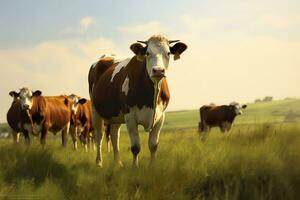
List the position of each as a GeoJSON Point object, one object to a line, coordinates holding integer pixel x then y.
{"type": "Point", "coordinates": [169, 53]}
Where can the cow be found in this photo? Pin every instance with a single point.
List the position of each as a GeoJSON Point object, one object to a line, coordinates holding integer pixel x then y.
{"type": "Point", "coordinates": [19, 120]}
{"type": "Point", "coordinates": [133, 91]}
{"type": "Point", "coordinates": [81, 123]}
{"type": "Point", "coordinates": [51, 113]}
{"type": "Point", "coordinates": [218, 116]}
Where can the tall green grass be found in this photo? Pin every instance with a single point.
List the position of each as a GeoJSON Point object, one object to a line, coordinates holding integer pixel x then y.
{"type": "Point", "coordinates": [250, 162]}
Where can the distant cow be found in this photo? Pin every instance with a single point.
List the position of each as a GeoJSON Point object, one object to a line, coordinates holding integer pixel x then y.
{"type": "Point", "coordinates": [132, 91]}
{"type": "Point", "coordinates": [18, 119]}
{"type": "Point", "coordinates": [81, 122]}
{"type": "Point", "coordinates": [218, 116]}
{"type": "Point", "coordinates": [51, 113]}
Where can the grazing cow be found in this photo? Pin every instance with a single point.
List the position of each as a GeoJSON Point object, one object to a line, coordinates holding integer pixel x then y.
{"type": "Point", "coordinates": [51, 113]}
{"type": "Point", "coordinates": [18, 120]}
{"type": "Point", "coordinates": [133, 91]}
{"type": "Point", "coordinates": [218, 116]}
{"type": "Point", "coordinates": [81, 122]}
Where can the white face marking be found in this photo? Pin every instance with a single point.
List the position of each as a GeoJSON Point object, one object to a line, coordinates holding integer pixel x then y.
{"type": "Point", "coordinates": [75, 103]}
{"type": "Point", "coordinates": [119, 66]}
{"type": "Point", "coordinates": [157, 57]}
{"type": "Point", "coordinates": [125, 86]}
{"type": "Point", "coordinates": [26, 98]}
{"type": "Point", "coordinates": [238, 110]}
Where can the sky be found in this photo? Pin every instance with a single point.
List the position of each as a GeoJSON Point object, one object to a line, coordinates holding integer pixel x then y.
{"type": "Point", "coordinates": [237, 50]}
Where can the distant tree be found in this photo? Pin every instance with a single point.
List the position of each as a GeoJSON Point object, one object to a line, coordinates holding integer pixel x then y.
{"type": "Point", "coordinates": [257, 100]}
{"type": "Point", "coordinates": [268, 98]}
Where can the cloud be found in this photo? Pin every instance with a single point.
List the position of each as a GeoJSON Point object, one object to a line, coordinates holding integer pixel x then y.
{"type": "Point", "coordinates": [146, 29]}
{"type": "Point", "coordinates": [54, 67]}
{"type": "Point", "coordinates": [86, 23]}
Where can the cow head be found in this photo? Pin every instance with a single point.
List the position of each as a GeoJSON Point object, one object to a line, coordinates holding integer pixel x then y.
{"type": "Point", "coordinates": [26, 97]}
{"type": "Point", "coordinates": [238, 110]}
{"type": "Point", "coordinates": [157, 53]}
{"type": "Point", "coordinates": [75, 102]}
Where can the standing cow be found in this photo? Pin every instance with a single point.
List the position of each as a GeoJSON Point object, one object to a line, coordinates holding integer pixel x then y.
{"type": "Point", "coordinates": [218, 116]}
{"type": "Point", "coordinates": [81, 123]}
{"type": "Point", "coordinates": [19, 120]}
{"type": "Point", "coordinates": [133, 91]}
{"type": "Point", "coordinates": [51, 113]}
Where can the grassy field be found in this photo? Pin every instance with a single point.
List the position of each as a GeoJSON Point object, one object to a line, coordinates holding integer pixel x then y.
{"type": "Point", "coordinates": [258, 159]}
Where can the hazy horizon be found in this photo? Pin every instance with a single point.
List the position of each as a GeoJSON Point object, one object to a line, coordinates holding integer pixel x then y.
{"type": "Point", "coordinates": [237, 51]}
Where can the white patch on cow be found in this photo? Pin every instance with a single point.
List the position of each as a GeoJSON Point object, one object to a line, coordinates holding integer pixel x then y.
{"type": "Point", "coordinates": [119, 66]}
{"type": "Point", "coordinates": [146, 116]}
{"type": "Point", "coordinates": [125, 86]}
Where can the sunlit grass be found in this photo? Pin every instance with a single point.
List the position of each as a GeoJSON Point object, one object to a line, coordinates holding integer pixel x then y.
{"type": "Point", "coordinates": [251, 162]}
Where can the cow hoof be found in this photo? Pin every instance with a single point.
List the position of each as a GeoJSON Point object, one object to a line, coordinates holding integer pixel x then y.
{"type": "Point", "coordinates": [99, 163]}
{"type": "Point", "coordinates": [119, 164]}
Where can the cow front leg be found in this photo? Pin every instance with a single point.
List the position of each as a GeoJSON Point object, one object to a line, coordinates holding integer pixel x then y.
{"type": "Point", "coordinates": [98, 124]}
{"type": "Point", "coordinates": [64, 135]}
{"type": "Point", "coordinates": [205, 131]}
{"type": "Point", "coordinates": [16, 136]}
{"type": "Point", "coordinates": [44, 134]}
{"type": "Point", "coordinates": [26, 136]}
{"type": "Point", "coordinates": [86, 137]}
{"type": "Point", "coordinates": [74, 136]}
{"type": "Point", "coordinates": [154, 137]}
{"type": "Point", "coordinates": [132, 129]}
{"type": "Point", "coordinates": [114, 132]}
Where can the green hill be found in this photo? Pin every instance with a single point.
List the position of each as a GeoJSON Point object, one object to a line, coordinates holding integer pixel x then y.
{"type": "Point", "coordinates": [255, 113]}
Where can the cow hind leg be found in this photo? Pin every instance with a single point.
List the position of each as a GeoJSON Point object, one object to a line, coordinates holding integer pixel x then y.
{"type": "Point", "coordinates": [115, 136]}
{"type": "Point", "coordinates": [98, 124]}
{"type": "Point", "coordinates": [108, 137]}
{"type": "Point", "coordinates": [154, 137]}
{"type": "Point", "coordinates": [132, 129]}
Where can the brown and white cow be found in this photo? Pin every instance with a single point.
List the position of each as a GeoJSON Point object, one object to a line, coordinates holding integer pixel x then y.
{"type": "Point", "coordinates": [18, 119]}
{"type": "Point", "coordinates": [51, 113]}
{"type": "Point", "coordinates": [133, 91]}
{"type": "Point", "coordinates": [218, 116]}
{"type": "Point", "coordinates": [81, 123]}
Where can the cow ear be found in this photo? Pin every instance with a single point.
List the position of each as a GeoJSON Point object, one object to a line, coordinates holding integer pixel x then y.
{"type": "Point", "coordinates": [139, 50]}
{"type": "Point", "coordinates": [177, 49]}
{"type": "Point", "coordinates": [244, 106]}
{"type": "Point", "coordinates": [82, 101]}
{"type": "Point", "coordinates": [14, 94]}
{"type": "Point", "coordinates": [37, 93]}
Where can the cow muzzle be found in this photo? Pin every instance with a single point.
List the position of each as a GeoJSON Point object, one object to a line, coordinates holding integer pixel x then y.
{"type": "Point", "coordinates": [158, 73]}
{"type": "Point", "coordinates": [25, 107]}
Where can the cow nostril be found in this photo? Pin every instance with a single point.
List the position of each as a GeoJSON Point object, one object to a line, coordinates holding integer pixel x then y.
{"type": "Point", "coordinates": [154, 70]}
{"type": "Point", "coordinates": [163, 70]}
